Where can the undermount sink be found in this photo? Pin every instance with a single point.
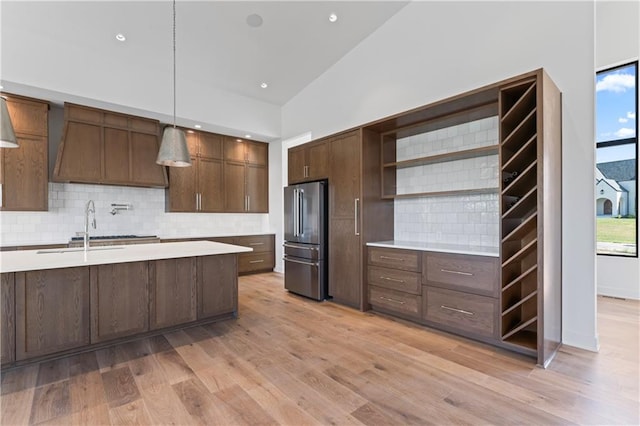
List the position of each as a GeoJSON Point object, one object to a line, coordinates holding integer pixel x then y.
{"type": "Point", "coordinates": [70, 250]}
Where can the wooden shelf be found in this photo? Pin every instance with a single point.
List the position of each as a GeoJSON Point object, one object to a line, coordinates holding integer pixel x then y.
{"type": "Point", "coordinates": [519, 160]}
{"type": "Point", "coordinates": [520, 327]}
{"type": "Point", "coordinates": [449, 156]}
{"type": "Point", "coordinates": [523, 182]}
{"type": "Point", "coordinates": [524, 207]}
{"type": "Point", "coordinates": [525, 342]}
{"type": "Point", "coordinates": [492, 190]}
{"type": "Point", "coordinates": [520, 302]}
{"type": "Point", "coordinates": [528, 224]}
{"type": "Point", "coordinates": [523, 131]}
{"type": "Point", "coordinates": [520, 253]}
{"type": "Point", "coordinates": [521, 107]}
{"type": "Point", "coordinates": [520, 277]}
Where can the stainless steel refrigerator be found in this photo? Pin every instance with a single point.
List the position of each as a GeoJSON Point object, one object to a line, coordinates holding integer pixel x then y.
{"type": "Point", "coordinates": [305, 239]}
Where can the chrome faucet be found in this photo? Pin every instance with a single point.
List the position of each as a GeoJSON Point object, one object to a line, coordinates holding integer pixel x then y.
{"type": "Point", "coordinates": [89, 208]}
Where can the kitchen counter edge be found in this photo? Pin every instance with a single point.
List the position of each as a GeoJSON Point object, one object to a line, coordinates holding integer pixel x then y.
{"type": "Point", "coordinates": [438, 247]}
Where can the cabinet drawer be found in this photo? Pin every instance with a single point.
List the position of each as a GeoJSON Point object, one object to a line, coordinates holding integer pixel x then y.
{"type": "Point", "coordinates": [394, 279]}
{"type": "Point", "coordinates": [396, 301]}
{"type": "Point", "coordinates": [407, 260]}
{"type": "Point", "coordinates": [259, 243]}
{"type": "Point", "coordinates": [467, 312]}
{"type": "Point", "coordinates": [478, 274]}
{"type": "Point", "coordinates": [249, 262]}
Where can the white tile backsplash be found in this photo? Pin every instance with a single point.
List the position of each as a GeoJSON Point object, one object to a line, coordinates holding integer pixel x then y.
{"type": "Point", "coordinates": [464, 219]}
{"type": "Point", "coordinates": [147, 217]}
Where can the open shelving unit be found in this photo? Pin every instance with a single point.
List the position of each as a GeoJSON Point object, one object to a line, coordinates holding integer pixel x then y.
{"type": "Point", "coordinates": [530, 246]}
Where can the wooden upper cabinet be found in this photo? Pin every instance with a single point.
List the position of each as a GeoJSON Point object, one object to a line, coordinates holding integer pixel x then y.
{"type": "Point", "coordinates": [106, 147]}
{"type": "Point", "coordinates": [24, 173]}
{"type": "Point", "coordinates": [235, 199]}
{"type": "Point", "coordinates": [308, 162]}
{"type": "Point", "coordinates": [243, 151]}
{"type": "Point", "coordinates": [257, 189]}
{"type": "Point", "coordinates": [344, 194]}
{"type": "Point", "coordinates": [246, 176]}
{"type": "Point", "coordinates": [182, 193]}
{"type": "Point", "coordinates": [211, 185]}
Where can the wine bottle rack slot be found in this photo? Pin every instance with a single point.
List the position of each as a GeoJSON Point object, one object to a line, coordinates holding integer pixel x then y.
{"type": "Point", "coordinates": [520, 109]}
{"type": "Point", "coordinates": [522, 133]}
{"type": "Point", "coordinates": [519, 159]}
{"type": "Point", "coordinates": [525, 228]}
{"type": "Point", "coordinates": [515, 280]}
{"type": "Point", "coordinates": [519, 207]}
{"type": "Point", "coordinates": [511, 95]}
{"type": "Point", "coordinates": [522, 182]}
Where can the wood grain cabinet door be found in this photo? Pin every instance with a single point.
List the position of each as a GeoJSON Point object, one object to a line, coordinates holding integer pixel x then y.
{"type": "Point", "coordinates": [211, 185]}
{"type": "Point", "coordinates": [318, 161]}
{"type": "Point", "coordinates": [119, 300]}
{"type": "Point", "coordinates": [217, 285]}
{"type": "Point", "coordinates": [296, 165]}
{"type": "Point", "coordinates": [257, 153]}
{"type": "Point", "coordinates": [234, 187]}
{"type": "Point", "coordinates": [8, 318]}
{"type": "Point", "coordinates": [52, 311]}
{"type": "Point", "coordinates": [144, 151]}
{"type": "Point", "coordinates": [172, 286]}
{"type": "Point", "coordinates": [24, 175]}
{"type": "Point", "coordinates": [257, 185]}
{"type": "Point", "coordinates": [210, 145]}
{"type": "Point", "coordinates": [80, 153]}
{"type": "Point", "coordinates": [182, 188]}
{"type": "Point", "coordinates": [116, 155]}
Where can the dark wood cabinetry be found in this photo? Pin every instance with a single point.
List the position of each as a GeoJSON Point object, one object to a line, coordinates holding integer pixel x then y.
{"type": "Point", "coordinates": [246, 176]}
{"type": "Point", "coordinates": [52, 311]}
{"type": "Point", "coordinates": [24, 173]}
{"type": "Point", "coordinates": [199, 188]}
{"type": "Point", "coordinates": [308, 162]}
{"type": "Point", "coordinates": [172, 292]}
{"type": "Point", "coordinates": [7, 318]}
{"type": "Point", "coordinates": [119, 300]}
{"type": "Point", "coordinates": [217, 285]}
{"type": "Point", "coordinates": [261, 259]}
{"type": "Point", "coordinates": [100, 146]}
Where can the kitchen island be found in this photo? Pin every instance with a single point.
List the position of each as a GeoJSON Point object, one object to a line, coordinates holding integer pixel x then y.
{"type": "Point", "coordinates": [61, 301]}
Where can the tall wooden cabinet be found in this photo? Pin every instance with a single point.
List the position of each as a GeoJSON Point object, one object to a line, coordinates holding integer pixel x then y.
{"type": "Point", "coordinates": [7, 318]}
{"type": "Point", "coordinates": [308, 162]}
{"type": "Point", "coordinates": [531, 220]}
{"type": "Point", "coordinates": [246, 176]}
{"type": "Point", "coordinates": [24, 172]}
{"type": "Point", "coordinates": [199, 188]}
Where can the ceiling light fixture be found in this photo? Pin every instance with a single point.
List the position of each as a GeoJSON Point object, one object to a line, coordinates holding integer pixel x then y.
{"type": "Point", "coordinates": [120, 37]}
{"type": "Point", "coordinates": [247, 136]}
{"type": "Point", "coordinates": [264, 85]}
{"type": "Point", "coordinates": [333, 17]}
{"type": "Point", "coordinates": [7, 134]}
{"type": "Point", "coordinates": [197, 126]}
{"type": "Point", "coordinates": [173, 148]}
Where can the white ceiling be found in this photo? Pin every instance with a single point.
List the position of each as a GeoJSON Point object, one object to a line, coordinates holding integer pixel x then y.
{"type": "Point", "coordinates": [215, 46]}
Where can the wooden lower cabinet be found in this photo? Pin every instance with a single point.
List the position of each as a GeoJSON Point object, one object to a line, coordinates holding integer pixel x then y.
{"type": "Point", "coordinates": [345, 272]}
{"type": "Point", "coordinates": [7, 318]}
{"type": "Point", "coordinates": [172, 292]}
{"type": "Point", "coordinates": [217, 285]}
{"type": "Point", "coordinates": [119, 300]}
{"type": "Point", "coordinates": [52, 311]}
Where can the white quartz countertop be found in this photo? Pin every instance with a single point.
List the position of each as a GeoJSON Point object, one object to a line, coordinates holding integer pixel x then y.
{"type": "Point", "coordinates": [439, 247]}
{"type": "Point", "coordinates": [31, 260]}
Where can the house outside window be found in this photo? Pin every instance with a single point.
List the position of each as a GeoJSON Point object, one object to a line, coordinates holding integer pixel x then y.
{"type": "Point", "coordinates": [616, 161]}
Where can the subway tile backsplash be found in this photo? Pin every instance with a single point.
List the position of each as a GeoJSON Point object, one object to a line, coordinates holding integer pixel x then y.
{"type": "Point", "coordinates": [457, 219]}
{"type": "Point", "coordinates": [147, 217]}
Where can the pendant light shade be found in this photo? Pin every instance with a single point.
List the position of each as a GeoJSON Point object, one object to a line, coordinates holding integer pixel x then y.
{"type": "Point", "coordinates": [7, 135]}
{"type": "Point", "coordinates": [173, 148]}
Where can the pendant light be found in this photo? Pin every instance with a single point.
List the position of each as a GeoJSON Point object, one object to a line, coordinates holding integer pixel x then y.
{"type": "Point", "coordinates": [7, 134]}
{"type": "Point", "coordinates": [173, 148]}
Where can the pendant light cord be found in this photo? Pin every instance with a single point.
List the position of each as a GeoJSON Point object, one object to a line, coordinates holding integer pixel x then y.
{"type": "Point", "coordinates": [174, 64]}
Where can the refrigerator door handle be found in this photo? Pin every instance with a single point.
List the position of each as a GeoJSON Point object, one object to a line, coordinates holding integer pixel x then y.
{"type": "Point", "coordinates": [300, 247]}
{"type": "Point", "coordinates": [295, 212]}
{"type": "Point", "coordinates": [300, 211]}
{"type": "Point", "coordinates": [288, 259]}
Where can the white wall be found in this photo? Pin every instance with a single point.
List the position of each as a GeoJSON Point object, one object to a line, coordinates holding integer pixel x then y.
{"type": "Point", "coordinates": [432, 50]}
{"type": "Point", "coordinates": [617, 42]}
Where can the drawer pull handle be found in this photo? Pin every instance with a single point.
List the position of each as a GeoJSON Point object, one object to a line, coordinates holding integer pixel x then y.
{"type": "Point", "coordinates": [256, 261]}
{"type": "Point", "coordinates": [256, 244]}
{"type": "Point", "coordinates": [456, 310]}
{"type": "Point", "coordinates": [400, 302]}
{"type": "Point", "coordinates": [468, 274]}
{"type": "Point", "coordinates": [391, 279]}
{"type": "Point", "coordinates": [392, 258]}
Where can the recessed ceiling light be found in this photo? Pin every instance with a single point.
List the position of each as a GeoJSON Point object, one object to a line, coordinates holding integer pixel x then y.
{"type": "Point", "coordinates": [254, 20]}
{"type": "Point", "coordinates": [190, 131]}
{"type": "Point", "coordinates": [120, 37]}
{"type": "Point", "coordinates": [264, 85]}
{"type": "Point", "coordinates": [333, 17]}
{"type": "Point", "coordinates": [238, 140]}
{"type": "Point", "coordinates": [197, 126]}
{"type": "Point", "coordinates": [247, 136]}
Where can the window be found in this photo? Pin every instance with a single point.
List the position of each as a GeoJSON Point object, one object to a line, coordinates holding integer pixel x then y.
{"type": "Point", "coordinates": [617, 161]}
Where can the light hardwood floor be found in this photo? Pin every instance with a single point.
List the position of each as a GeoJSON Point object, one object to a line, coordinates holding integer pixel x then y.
{"type": "Point", "coordinates": [287, 360]}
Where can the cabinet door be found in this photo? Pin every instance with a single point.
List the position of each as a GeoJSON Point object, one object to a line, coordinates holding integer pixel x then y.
{"type": "Point", "coordinates": [234, 150]}
{"type": "Point", "coordinates": [193, 142]}
{"type": "Point", "coordinates": [182, 188]}
{"type": "Point", "coordinates": [345, 262]}
{"type": "Point", "coordinates": [257, 184]}
{"type": "Point", "coordinates": [172, 286]}
{"type": "Point", "coordinates": [144, 151]}
{"type": "Point", "coordinates": [211, 185]}
{"type": "Point", "coordinates": [257, 153]}
{"type": "Point", "coordinates": [116, 155]}
{"type": "Point", "coordinates": [234, 187]}
{"type": "Point", "coordinates": [80, 153]}
{"type": "Point", "coordinates": [217, 285]}
{"type": "Point", "coordinates": [52, 311]}
{"type": "Point", "coordinates": [119, 300]}
{"type": "Point", "coordinates": [7, 318]}
{"type": "Point", "coordinates": [318, 161]}
{"type": "Point", "coordinates": [344, 184]}
{"type": "Point", "coordinates": [24, 175]}
{"type": "Point", "coordinates": [210, 145]}
{"type": "Point", "coordinates": [296, 165]}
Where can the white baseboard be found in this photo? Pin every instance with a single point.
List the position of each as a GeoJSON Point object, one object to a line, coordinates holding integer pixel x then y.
{"type": "Point", "coordinates": [625, 293]}
{"type": "Point", "coordinates": [581, 341]}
